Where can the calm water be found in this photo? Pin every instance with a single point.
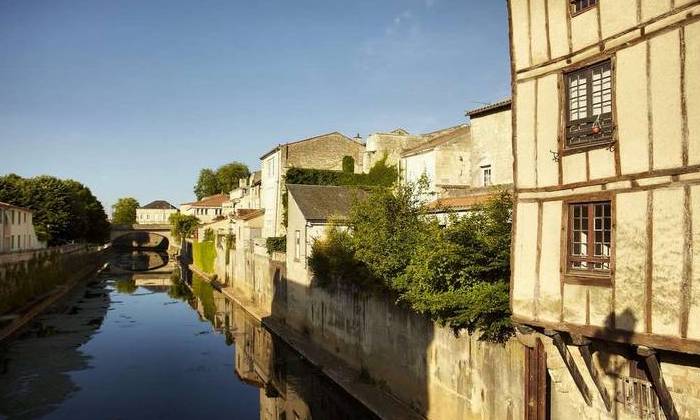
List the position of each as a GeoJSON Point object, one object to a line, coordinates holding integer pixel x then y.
{"type": "Point", "coordinates": [154, 346]}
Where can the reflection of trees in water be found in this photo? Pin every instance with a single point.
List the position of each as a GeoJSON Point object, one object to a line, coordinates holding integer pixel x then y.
{"type": "Point", "coordinates": [35, 377]}
{"type": "Point", "coordinates": [126, 285]}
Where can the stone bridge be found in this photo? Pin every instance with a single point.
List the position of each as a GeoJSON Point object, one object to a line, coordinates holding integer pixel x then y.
{"type": "Point", "coordinates": [149, 237]}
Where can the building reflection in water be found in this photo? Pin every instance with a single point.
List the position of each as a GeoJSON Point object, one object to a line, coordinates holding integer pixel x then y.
{"type": "Point", "coordinates": [290, 387]}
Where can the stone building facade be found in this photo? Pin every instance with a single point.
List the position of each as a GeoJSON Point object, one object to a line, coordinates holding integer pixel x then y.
{"type": "Point", "coordinates": [17, 229]}
{"type": "Point", "coordinates": [321, 152]}
{"type": "Point", "coordinates": [156, 212]}
{"type": "Point", "coordinates": [606, 99]}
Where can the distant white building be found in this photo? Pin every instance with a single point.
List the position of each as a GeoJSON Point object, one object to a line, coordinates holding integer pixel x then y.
{"type": "Point", "coordinates": [207, 209]}
{"type": "Point", "coordinates": [17, 229]}
{"type": "Point", "coordinates": [155, 213]}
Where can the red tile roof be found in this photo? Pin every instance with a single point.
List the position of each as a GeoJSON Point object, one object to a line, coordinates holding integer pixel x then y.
{"type": "Point", "coordinates": [458, 203]}
{"type": "Point", "coordinates": [211, 201]}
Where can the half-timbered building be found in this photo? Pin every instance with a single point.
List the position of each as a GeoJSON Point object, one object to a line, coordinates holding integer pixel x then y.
{"type": "Point", "coordinates": [606, 248]}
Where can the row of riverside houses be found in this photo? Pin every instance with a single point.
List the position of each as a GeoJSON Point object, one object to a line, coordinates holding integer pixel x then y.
{"type": "Point", "coordinates": [603, 151]}
{"type": "Point", "coordinates": [606, 250]}
{"type": "Point", "coordinates": [462, 165]}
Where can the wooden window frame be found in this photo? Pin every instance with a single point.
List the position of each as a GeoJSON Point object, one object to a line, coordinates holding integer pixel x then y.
{"type": "Point", "coordinates": [608, 127]}
{"type": "Point", "coordinates": [572, 7]}
{"type": "Point", "coordinates": [589, 277]}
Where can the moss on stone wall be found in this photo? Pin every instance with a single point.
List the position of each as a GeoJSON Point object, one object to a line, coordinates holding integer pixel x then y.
{"type": "Point", "coordinates": [204, 254]}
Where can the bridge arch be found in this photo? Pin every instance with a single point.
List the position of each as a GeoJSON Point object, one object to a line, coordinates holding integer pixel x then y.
{"type": "Point", "coordinates": [149, 237]}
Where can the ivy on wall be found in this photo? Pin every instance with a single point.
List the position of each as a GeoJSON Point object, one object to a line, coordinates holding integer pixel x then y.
{"type": "Point", "coordinates": [203, 255]}
{"type": "Point", "coordinates": [380, 175]}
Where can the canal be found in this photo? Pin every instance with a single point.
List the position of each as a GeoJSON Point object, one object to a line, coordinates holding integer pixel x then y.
{"type": "Point", "coordinates": [133, 343]}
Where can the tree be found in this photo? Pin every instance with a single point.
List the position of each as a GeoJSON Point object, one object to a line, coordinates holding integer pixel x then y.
{"type": "Point", "coordinates": [124, 211]}
{"type": "Point", "coordinates": [64, 210]}
{"type": "Point", "coordinates": [223, 180]}
{"type": "Point", "coordinates": [229, 174]}
{"type": "Point", "coordinates": [207, 184]}
{"type": "Point", "coordinates": [183, 226]}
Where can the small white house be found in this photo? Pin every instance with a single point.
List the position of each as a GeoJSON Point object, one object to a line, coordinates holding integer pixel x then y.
{"type": "Point", "coordinates": [17, 229]}
{"type": "Point", "coordinates": [155, 213]}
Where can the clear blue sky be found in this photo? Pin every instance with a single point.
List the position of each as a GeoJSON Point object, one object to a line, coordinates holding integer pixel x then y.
{"type": "Point", "coordinates": [134, 97]}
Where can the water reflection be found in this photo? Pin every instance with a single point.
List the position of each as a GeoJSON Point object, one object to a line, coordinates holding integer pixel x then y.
{"type": "Point", "coordinates": [139, 261]}
{"type": "Point", "coordinates": [290, 387]}
{"type": "Point", "coordinates": [141, 346]}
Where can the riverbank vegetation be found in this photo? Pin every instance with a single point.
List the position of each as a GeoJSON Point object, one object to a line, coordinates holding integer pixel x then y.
{"type": "Point", "coordinates": [458, 275]}
{"type": "Point", "coordinates": [182, 226]}
{"type": "Point", "coordinates": [64, 210]}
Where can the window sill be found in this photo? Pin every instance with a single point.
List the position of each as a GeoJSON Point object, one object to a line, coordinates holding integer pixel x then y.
{"type": "Point", "coordinates": [588, 279]}
{"type": "Point", "coordinates": [570, 150]}
{"type": "Point", "coordinates": [582, 11]}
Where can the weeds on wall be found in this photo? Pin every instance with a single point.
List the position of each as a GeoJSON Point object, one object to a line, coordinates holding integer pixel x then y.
{"type": "Point", "coordinates": [203, 255]}
{"type": "Point", "coordinates": [22, 282]}
{"type": "Point", "coordinates": [182, 226]}
{"type": "Point", "coordinates": [276, 244]}
{"type": "Point", "coordinates": [457, 275]}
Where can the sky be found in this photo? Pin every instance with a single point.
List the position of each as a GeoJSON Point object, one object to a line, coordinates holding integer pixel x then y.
{"type": "Point", "coordinates": [134, 97]}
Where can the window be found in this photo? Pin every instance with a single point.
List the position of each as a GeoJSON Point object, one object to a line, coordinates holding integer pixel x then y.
{"type": "Point", "coordinates": [590, 234]}
{"type": "Point", "coordinates": [578, 6]}
{"type": "Point", "coordinates": [589, 106]}
{"type": "Point", "coordinates": [297, 245]}
{"type": "Point", "coordinates": [486, 175]}
{"type": "Point", "coordinates": [271, 167]}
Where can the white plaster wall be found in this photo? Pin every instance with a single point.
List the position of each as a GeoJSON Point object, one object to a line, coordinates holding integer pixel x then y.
{"type": "Point", "coordinates": [630, 260]}
{"type": "Point", "coordinates": [692, 90]}
{"type": "Point", "coordinates": [153, 216]}
{"type": "Point", "coordinates": [666, 100]}
{"type": "Point", "coordinates": [492, 144]}
{"type": "Point", "coordinates": [548, 116]}
{"type": "Point", "coordinates": [525, 136]}
{"type": "Point", "coordinates": [524, 260]}
{"type": "Point", "coordinates": [418, 165]}
{"type": "Point", "coordinates": [270, 191]}
{"type": "Point", "coordinates": [550, 294]}
{"type": "Point", "coordinates": [631, 97]}
{"type": "Point", "coordinates": [667, 268]}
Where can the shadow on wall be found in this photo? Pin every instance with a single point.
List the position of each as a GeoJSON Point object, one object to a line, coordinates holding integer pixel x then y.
{"type": "Point", "coordinates": [387, 346]}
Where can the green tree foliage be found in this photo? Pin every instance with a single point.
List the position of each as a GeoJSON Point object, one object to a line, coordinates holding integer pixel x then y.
{"type": "Point", "coordinates": [229, 174]}
{"type": "Point", "coordinates": [64, 210]}
{"type": "Point", "coordinates": [222, 180]}
{"type": "Point", "coordinates": [348, 164]}
{"type": "Point", "coordinates": [207, 184]}
{"type": "Point", "coordinates": [276, 244]}
{"type": "Point", "coordinates": [182, 226]}
{"type": "Point", "coordinates": [124, 211]}
{"type": "Point", "coordinates": [457, 275]}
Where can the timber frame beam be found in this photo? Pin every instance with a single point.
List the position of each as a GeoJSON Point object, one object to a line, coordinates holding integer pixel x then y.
{"type": "Point", "coordinates": [584, 347]}
{"type": "Point", "coordinates": [657, 379]}
{"type": "Point", "coordinates": [570, 365]}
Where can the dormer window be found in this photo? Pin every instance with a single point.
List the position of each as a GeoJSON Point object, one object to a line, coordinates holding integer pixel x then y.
{"type": "Point", "coordinates": [579, 6]}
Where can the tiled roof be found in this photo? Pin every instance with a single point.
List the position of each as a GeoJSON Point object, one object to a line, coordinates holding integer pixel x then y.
{"type": "Point", "coordinates": [459, 203]}
{"type": "Point", "coordinates": [448, 135]}
{"type": "Point", "coordinates": [12, 206]}
{"type": "Point", "coordinates": [496, 106]}
{"type": "Point", "coordinates": [212, 201]}
{"type": "Point", "coordinates": [321, 202]}
{"type": "Point", "coordinates": [159, 205]}
{"type": "Point", "coordinates": [274, 149]}
{"type": "Point", "coordinates": [247, 214]}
